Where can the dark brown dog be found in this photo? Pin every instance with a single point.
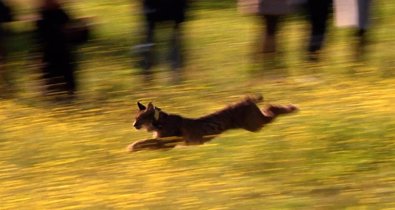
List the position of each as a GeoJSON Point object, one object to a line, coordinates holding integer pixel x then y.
{"type": "Point", "coordinates": [171, 129]}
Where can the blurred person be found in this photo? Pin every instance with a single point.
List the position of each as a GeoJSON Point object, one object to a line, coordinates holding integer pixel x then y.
{"type": "Point", "coordinates": [318, 14]}
{"type": "Point", "coordinates": [158, 12]}
{"type": "Point", "coordinates": [363, 17]}
{"type": "Point", "coordinates": [355, 14]}
{"type": "Point", "coordinates": [364, 7]}
{"type": "Point", "coordinates": [356, 11]}
{"type": "Point", "coordinates": [57, 37]}
{"type": "Point", "coordinates": [271, 12]}
{"type": "Point", "coordinates": [6, 15]}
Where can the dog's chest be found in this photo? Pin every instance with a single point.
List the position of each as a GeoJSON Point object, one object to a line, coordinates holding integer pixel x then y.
{"type": "Point", "coordinates": [155, 134]}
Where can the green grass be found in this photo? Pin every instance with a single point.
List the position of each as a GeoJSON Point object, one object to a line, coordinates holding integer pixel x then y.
{"type": "Point", "coordinates": [336, 153]}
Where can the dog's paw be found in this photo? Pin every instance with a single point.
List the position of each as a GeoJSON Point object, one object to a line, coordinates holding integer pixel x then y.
{"type": "Point", "coordinates": [144, 145]}
{"type": "Point", "coordinates": [293, 108]}
{"type": "Point", "coordinates": [279, 109]}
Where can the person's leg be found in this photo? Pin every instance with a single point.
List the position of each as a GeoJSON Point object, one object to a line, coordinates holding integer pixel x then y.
{"type": "Point", "coordinates": [52, 78]}
{"type": "Point", "coordinates": [363, 24]}
{"type": "Point", "coordinates": [363, 13]}
{"type": "Point", "coordinates": [69, 78]}
{"type": "Point", "coordinates": [271, 22]}
{"type": "Point", "coordinates": [148, 47]}
{"type": "Point", "coordinates": [176, 57]}
{"type": "Point", "coordinates": [318, 11]}
{"type": "Point", "coordinates": [3, 80]}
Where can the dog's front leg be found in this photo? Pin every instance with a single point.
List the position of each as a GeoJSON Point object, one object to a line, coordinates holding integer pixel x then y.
{"type": "Point", "coordinates": [150, 144]}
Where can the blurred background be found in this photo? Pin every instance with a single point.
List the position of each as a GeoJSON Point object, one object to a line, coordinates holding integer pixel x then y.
{"type": "Point", "coordinates": [71, 73]}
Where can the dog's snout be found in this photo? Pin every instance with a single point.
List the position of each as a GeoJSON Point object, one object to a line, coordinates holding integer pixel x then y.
{"type": "Point", "coordinates": [136, 125]}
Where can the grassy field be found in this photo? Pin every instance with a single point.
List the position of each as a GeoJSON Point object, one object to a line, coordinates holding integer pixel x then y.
{"type": "Point", "coordinates": [338, 152]}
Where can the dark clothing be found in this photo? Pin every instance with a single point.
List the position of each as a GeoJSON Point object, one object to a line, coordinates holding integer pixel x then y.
{"type": "Point", "coordinates": [175, 47]}
{"type": "Point", "coordinates": [5, 12]}
{"type": "Point", "coordinates": [163, 10]}
{"type": "Point", "coordinates": [156, 12]}
{"type": "Point", "coordinates": [271, 22]}
{"type": "Point", "coordinates": [363, 25]}
{"type": "Point", "coordinates": [272, 11]}
{"type": "Point", "coordinates": [57, 52]}
{"type": "Point", "coordinates": [51, 29]}
{"type": "Point", "coordinates": [274, 7]}
{"type": "Point", "coordinates": [364, 13]}
{"type": "Point", "coordinates": [5, 16]}
{"type": "Point", "coordinates": [318, 11]}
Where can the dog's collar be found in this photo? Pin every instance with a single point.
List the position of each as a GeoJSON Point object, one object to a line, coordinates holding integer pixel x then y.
{"type": "Point", "coordinates": [155, 123]}
{"type": "Point", "coordinates": [156, 114]}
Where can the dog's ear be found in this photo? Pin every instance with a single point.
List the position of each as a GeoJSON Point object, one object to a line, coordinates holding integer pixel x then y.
{"type": "Point", "coordinates": [141, 106]}
{"type": "Point", "coordinates": [150, 106]}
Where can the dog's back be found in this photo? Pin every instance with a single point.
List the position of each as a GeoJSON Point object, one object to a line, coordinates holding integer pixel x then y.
{"type": "Point", "coordinates": [244, 114]}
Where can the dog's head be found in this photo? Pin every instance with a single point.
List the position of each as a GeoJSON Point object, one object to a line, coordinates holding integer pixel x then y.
{"type": "Point", "coordinates": [146, 117]}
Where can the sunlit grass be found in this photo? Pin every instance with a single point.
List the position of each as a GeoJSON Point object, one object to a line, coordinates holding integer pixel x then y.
{"type": "Point", "coordinates": [337, 152]}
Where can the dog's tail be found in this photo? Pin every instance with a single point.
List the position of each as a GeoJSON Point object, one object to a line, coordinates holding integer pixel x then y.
{"type": "Point", "coordinates": [254, 98]}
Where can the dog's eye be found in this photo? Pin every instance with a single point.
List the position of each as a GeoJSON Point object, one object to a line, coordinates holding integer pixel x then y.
{"type": "Point", "coordinates": [142, 119]}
